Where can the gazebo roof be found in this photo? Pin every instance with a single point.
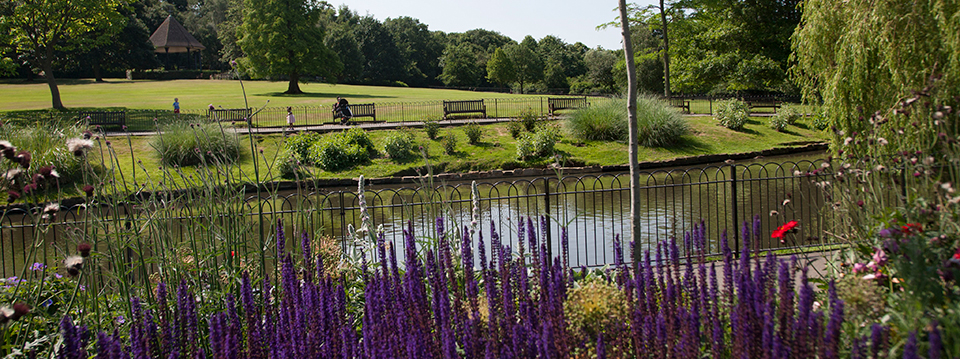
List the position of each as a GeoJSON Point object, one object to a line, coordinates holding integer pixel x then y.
{"type": "Point", "coordinates": [173, 37]}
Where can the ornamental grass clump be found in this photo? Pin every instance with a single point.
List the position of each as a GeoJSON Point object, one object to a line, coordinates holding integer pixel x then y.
{"type": "Point", "coordinates": [605, 121]}
{"type": "Point", "coordinates": [659, 124]}
{"type": "Point", "coordinates": [183, 144]}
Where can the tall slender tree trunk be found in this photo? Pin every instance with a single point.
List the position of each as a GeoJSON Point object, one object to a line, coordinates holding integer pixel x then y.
{"type": "Point", "coordinates": [666, 52]}
{"type": "Point", "coordinates": [632, 125]}
{"type": "Point", "coordinates": [47, 64]}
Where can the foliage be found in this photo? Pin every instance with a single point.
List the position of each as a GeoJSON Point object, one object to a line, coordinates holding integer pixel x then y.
{"type": "Point", "coordinates": [596, 307]}
{"type": "Point", "coordinates": [48, 146]}
{"type": "Point", "coordinates": [286, 165]}
{"type": "Point", "coordinates": [787, 115]}
{"type": "Point", "coordinates": [819, 119]}
{"type": "Point", "coordinates": [778, 123]}
{"type": "Point", "coordinates": [529, 118]}
{"type": "Point", "coordinates": [899, 210]}
{"type": "Point", "coordinates": [182, 144]}
{"type": "Point", "coordinates": [400, 146]}
{"type": "Point", "coordinates": [528, 65]}
{"type": "Point", "coordinates": [514, 127]}
{"type": "Point", "coordinates": [449, 143]}
{"type": "Point", "coordinates": [473, 132]}
{"type": "Point", "coordinates": [299, 145]}
{"type": "Point", "coordinates": [605, 121]}
{"type": "Point", "coordinates": [859, 57]}
{"type": "Point", "coordinates": [732, 113]}
{"type": "Point", "coordinates": [293, 47]}
{"type": "Point", "coordinates": [540, 144]}
{"type": "Point", "coordinates": [461, 65]}
{"type": "Point", "coordinates": [432, 128]}
{"type": "Point", "coordinates": [658, 123]}
{"type": "Point", "coordinates": [560, 61]}
{"type": "Point", "coordinates": [500, 68]}
{"type": "Point", "coordinates": [419, 47]}
{"type": "Point", "coordinates": [342, 150]}
{"type": "Point", "coordinates": [37, 29]}
{"type": "Point", "coordinates": [384, 61]}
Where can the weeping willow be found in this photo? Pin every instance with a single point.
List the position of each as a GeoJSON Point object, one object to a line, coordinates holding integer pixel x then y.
{"type": "Point", "coordinates": [858, 57]}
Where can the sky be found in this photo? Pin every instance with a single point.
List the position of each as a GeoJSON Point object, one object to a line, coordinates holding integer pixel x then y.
{"type": "Point", "coordinates": [570, 20]}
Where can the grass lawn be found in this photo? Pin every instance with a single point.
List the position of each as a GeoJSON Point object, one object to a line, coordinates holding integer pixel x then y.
{"type": "Point", "coordinates": [197, 94]}
{"type": "Point", "coordinates": [496, 150]}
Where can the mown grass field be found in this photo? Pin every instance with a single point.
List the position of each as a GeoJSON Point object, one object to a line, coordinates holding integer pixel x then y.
{"type": "Point", "coordinates": [198, 94]}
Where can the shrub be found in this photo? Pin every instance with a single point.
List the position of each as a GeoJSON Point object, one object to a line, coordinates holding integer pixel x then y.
{"type": "Point", "coordinates": [529, 119]}
{"type": "Point", "coordinates": [473, 132]}
{"type": "Point", "coordinates": [659, 124]}
{"type": "Point", "coordinates": [514, 128]}
{"type": "Point", "coordinates": [432, 128]}
{"type": "Point", "coordinates": [189, 144]}
{"type": "Point", "coordinates": [539, 144]}
{"type": "Point", "coordinates": [778, 123]}
{"type": "Point", "coordinates": [399, 146]}
{"type": "Point", "coordinates": [525, 147]}
{"type": "Point", "coordinates": [449, 143]}
{"type": "Point", "coordinates": [299, 145]}
{"type": "Point", "coordinates": [607, 121]}
{"type": "Point", "coordinates": [732, 113]}
{"type": "Point", "coordinates": [286, 165]}
{"type": "Point", "coordinates": [339, 151]}
{"type": "Point", "coordinates": [596, 306]}
{"type": "Point", "coordinates": [787, 115]}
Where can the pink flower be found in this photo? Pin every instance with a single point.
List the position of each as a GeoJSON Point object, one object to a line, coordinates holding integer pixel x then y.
{"type": "Point", "coordinates": [880, 257]}
{"type": "Point", "coordinates": [859, 268]}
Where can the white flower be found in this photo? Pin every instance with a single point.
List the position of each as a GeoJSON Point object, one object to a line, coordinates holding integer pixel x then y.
{"type": "Point", "coordinates": [75, 262]}
{"type": "Point", "coordinates": [78, 145]}
{"type": "Point", "coordinates": [929, 160]}
{"type": "Point", "coordinates": [52, 208]}
{"type": "Point", "coordinates": [947, 187]}
{"type": "Point", "coordinates": [774, 213]}
{"type": "Point", "coordinates": [882, 141]}
{"type": "Point", "coordinates": [5, 145]}
{"type": "Point", "coordinates": [785, 202]}
{"type": "Point", "coordinates": [12, 174]}
{"type": "Point", "coordinates": [825, 165]}
{"type": "Point", "coordinates": [847, 141]}
{"type": "Point", "coordinates": [880, 168]}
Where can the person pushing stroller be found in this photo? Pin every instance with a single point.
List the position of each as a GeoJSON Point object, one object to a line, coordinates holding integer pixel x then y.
{"type": "Point", "coordinates": [341, 110]}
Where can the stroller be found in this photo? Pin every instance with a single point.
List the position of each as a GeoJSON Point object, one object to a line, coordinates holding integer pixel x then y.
{"type": "Point", "coordinates": [341, 110]}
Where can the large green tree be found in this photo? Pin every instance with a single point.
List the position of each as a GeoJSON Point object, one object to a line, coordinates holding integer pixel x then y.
{"type": "Point", "coordinates": [500, 68]}
{"type": "Point", "coordinates": [560, 61]}
{"type": "Point", "coordinates": [461, 67]}
{"type": "Point", "coordinates": [384, 62]}
{"type": "Point", "coordinates": [285, 38]}
{"type": "Point", "coordinates": [37, 29]}
{"type": "Point", "coordinates": [420, 48]}
{"type": "Point", "coordinates": [526, 60]}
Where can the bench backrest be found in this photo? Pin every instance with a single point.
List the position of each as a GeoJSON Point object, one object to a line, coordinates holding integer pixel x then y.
{"type": "Point", "coordinates": [104, 117]}
{"type": "Point", "coordinates": [567, 102]}
{"type": "Point", "coordinates": [463, 106]}
{"type": "Point", "coordinates": [363, 109]}
{"type": "Point", "coordinates": [678, 101]}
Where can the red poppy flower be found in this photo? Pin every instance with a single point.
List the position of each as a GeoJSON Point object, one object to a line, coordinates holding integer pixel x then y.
{"type": "Point", "coordinates": [784, 229]}
{"type": "Point", "coordinates": [956, 255]}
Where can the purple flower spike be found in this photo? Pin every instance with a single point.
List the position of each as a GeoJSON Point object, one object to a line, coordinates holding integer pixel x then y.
{"type": "Point", "coordinates": [936, 343]}
{"type": "Point", "coordinates": [910, 349]}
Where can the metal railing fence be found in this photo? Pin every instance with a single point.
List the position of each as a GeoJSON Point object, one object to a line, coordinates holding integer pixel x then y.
{"type": "Point", "coordinates": [593, 209]}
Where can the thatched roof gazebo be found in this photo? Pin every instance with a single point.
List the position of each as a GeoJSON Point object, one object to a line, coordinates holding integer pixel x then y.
{"type": "Point", "coordinates": [173, 38]}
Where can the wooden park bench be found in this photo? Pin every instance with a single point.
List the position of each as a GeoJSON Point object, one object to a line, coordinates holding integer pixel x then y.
{"type": "Point", "coordinates": [228, 114]}
{"type": "Point", "coordinates": [467, 106]}
{"type": "Point", "coordinates": [763, 103]}
{"type": "Point", "coordinates": [566, 103]}
{"type": "Point", "coordinates": [356, 110]}
{"type": "Point", "coordinates": [680, 103]}
{"type": "Point", "coordinates": [104, 118]}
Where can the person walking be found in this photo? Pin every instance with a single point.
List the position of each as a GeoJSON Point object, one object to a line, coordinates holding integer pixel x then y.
{"type": "Point", "coordinates": [176, 106]}
{"type": "Point", "coordinates": [290, 118]}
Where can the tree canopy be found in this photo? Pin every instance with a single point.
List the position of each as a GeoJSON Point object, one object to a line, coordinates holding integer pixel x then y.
{"type": "Point", "coordinates": [38, 29]}
{"type": "Point", "coordinates": [284, 38]}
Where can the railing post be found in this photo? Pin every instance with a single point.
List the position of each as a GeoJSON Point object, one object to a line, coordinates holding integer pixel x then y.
{"type": "Point", "coordinates": [547, 237]}
{"type": "Point", "coordinates": [343, 224]}
{"type": "Point", "coordinates": [733, 208]}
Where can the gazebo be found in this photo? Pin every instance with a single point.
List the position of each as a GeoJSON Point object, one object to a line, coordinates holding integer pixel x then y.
{"type": "Point", "coordinates": [173, 38]}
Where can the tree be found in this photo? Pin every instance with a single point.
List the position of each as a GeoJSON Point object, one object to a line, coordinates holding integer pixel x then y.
{"type": "Point", "coordinates": [284, 38]}
{"type": "Point", "coordinates": [560, 61]}
{"type": "Point", "coordinates": [461, 66]}
{"type": "Point", "coordinates": [128, 49]}
{"type": "Point", "coordinates": [500, 68]}
{"type": "Point", "coordinates": [40, 28]}
{"type": "Point", "coordinates": [420, 48]}
{"type": "Point", "coordinates": [384, 61]}
{"type": "Point", "coordinates": [859, 57]}
{"type": "Point", "coordinates": [632, 126]}
{"type": "Point", "coordinates": [526, 61]}
{"type": "Point", "coordinates": [600, 65]}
